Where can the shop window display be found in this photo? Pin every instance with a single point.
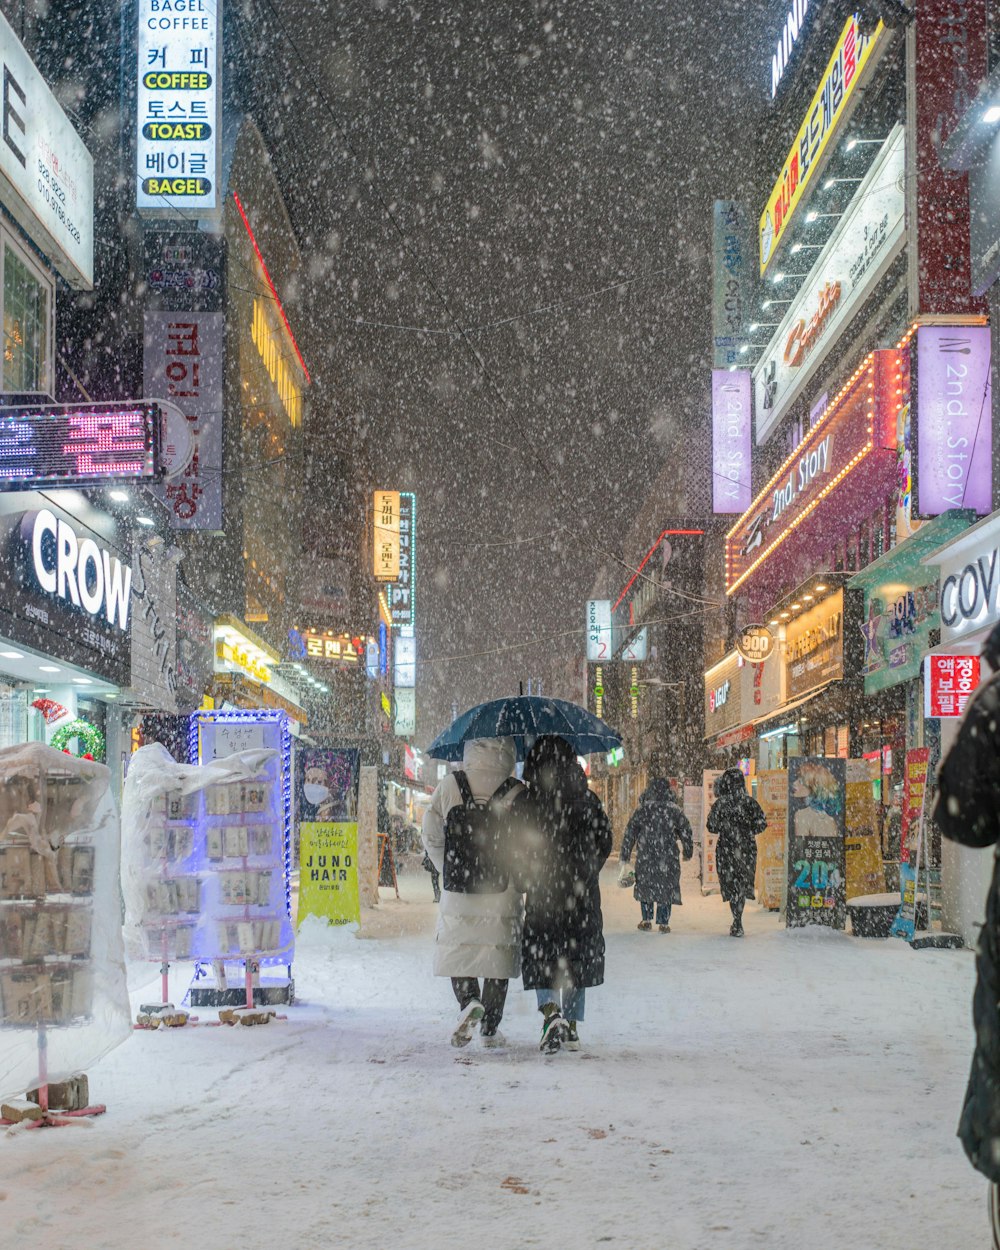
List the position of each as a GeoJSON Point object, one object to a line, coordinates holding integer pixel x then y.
{"type": "Point", "coordinates": [26, 309]}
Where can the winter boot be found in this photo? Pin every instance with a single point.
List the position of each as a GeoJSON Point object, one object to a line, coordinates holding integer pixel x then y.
{"type": "Point", "coordinates": [644, 924]}
{"type": "Point", "coordinates": [493, 1041]}
{"type": "Point", "coordinates": [467, 1021]}
{"type": "Point", "coordinates": [664, 928]}
{"type": "Point", "coordinates": [554, 1031]}
{"type": "Point", "coordinates": [736, 929]}
{"type": "Point", "coordinates": [572, 1037]}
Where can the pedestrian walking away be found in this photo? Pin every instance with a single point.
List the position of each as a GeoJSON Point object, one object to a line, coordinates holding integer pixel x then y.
{"type": "Point", "coordinates": [563, 839]}
{"type": "Point", "coordinates": [736, 819]}
{"type": "Point", "coordinates": [467, 836]}
{"type": "Point", "coordinates": [657, 830]}
{"type": "Point", "coordinates": [968, 812]}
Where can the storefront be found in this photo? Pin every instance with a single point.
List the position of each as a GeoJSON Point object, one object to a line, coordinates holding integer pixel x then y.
{"type": "Point", "coordinates": [246, 675]}
{"type": "Point", "coordinates": [724, 701]}
{"type": "Point", "coordinates": [969, 606]}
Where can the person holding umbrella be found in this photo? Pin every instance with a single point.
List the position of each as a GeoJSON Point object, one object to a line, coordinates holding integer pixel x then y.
{"type": "Point", "coordinates": [479, 921]}
{"type": "Point", "coordinates": [564, 838]}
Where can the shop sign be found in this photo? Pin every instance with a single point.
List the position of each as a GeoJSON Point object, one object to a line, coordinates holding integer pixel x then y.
{"type": "Point", "coordinates": [896, 631]}
{"type": "Point", "coordinates": [79, 571]}
{"type": "Point", "coordinates": [866, 240]}
{"type": "Point", "coordinates": [719, 696]}
{"type": "Point", "coordinates": [755, 643]}
{"type": "Point", "coordinates": [194, 650]}
{"type": "Point", "coordinates": [793, 27]}
{"type": "Point", "coordinates": [386, 526]}
{"type": "Point", "coordinates": [598, 691]}
{"type": "Point", "coordinates": [78, 444]}
{"type": "Point", "coordinates": [730, 280]}
{"type": "Point", "coordinates": [829, 106]}
{"type": "Point", "coordinates": [853, 426]}
{"type": "Point", "coordinates": [731, 439]}
{"type": "Point", "coordinates": [178, 107]}
{"type": "Point", "coordinates": [402, 590]}
{"type": "Point", "coordinates": [267, 339]}
{"type": "Point", "coordinates": [954, 419]}
{"type": "Point", "coordinates": [949, 64]}
{"type": "Point", "coordinates": [814, 647]}
{"type": "Point", "coordinates": [183, 361]}
{"type": "Point", "coordinates": [817, 868]}
{"type": "Point", "coordinates": [239, 656]}
{"type": "Point", "coordinates": [915, 771]}
{"type": "Point", "coordinates": [405, 723]}
{"type": "Point", "coordinates": [405, 663]}
{"type": "Point", "coordinates": [184, 270]}
{"type": "Point", "coordinates": [46, 172]}
{"type": "Point", "coordinates": [949, 683]}
{"type": "Point", "coordinates": [723, 696]}
{"type": "Point", "coordinates": [599, 629]}
{"type": "Point", "coordinates": [636, 650]}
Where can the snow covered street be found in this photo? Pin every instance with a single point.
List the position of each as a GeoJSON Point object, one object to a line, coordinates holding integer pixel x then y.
{"type": "Point", "coordinates": [791, 1090]}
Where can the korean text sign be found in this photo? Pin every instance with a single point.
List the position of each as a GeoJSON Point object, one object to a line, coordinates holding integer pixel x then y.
{"type": "Point", "coordinates": [949, 683]}
{"type": "Point", "coordinates": [954, 419]}
{"type": "Point", "coordinates": [183, 362]}
{"type": "Point", "coordinates": [328, 872]}
{"type": "Point", "coordinates": [840, 79]}
{"type": "Point", "coordinates": [401, 592]}
{"type": "Point", "coordinates": [730, 280]}
{"type": "Point", "coordinates": [387, 543]}
{"type": "Point", "coordinates": [178, 107]}
{"type": "Point", "coordinates": [816, 850]}
{"type": "Point", "coordinates": [77, 445]}
{"type": "Point", "coordinates": [730, 440]}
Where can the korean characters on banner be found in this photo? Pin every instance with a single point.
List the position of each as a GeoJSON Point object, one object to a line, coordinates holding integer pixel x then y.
{"type": "Point", "coordinates": [914, 785]}
{"type": "Point", "coordinates": [772, 795]}
{"type": "Point", "coordinates": [949, 683]}
{"type": "Point", "coordinates": [386, 531]}
{"type": "Point", "coordinates": [730, 281]}
{"type": "Point", "coordinates": [731, 439]}
{"type": "Point", "coordinates": [183, 362]}
{"type": "Point", "coordinates": [401, 592]}
{"type": "Point", "coordinates": [816, 852]}
{"type": "Point", "coordinates": [178, 108]}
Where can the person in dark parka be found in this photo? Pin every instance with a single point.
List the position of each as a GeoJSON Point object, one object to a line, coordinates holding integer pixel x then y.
{"type": "Point", "coordinates": [736, 819]}
{"type": "Point", "coordinates": [655, 829]}
{"type": "Point", "coordinates": [564, 840]}
{"type": "Point", "coordinates": [968, 811]}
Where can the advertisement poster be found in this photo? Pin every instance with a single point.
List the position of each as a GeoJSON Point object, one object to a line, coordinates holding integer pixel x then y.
{"type": "Point", "coordinates": [709, 875]}
{"type": "Point", "coordinates": [816, 794]}
{"type": "Point", "coordinates": [328, 871]}
{"type": "Point", "coordinates": [914, 781]}
{"type": "Point", "coordinates": [862, 845]}
{"type": "Point", "coordinates": [326, 784]}
{"type": "Point", "coordinates": [772, 795]}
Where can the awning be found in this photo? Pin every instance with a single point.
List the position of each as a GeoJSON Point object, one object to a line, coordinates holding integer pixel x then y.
{"type": "Point", "coordinates": [786, 708]}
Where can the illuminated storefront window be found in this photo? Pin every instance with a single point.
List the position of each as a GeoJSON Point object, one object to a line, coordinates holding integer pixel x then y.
{"type": "Point", "coordinates": [27, 304]}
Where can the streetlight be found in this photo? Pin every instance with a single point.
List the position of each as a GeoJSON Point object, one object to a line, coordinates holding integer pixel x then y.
{"type": "Point", "coordinates": [803, 247]}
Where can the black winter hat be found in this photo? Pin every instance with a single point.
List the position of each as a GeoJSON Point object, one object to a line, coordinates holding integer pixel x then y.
{"type": "Point", "coordinates": [991, 648]}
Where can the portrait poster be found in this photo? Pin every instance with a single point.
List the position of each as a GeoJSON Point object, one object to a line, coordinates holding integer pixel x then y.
{"type": "Point", "coordinates": [816, 865]}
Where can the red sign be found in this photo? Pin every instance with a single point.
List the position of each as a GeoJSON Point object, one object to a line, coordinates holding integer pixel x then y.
{"type": "Point", "coordinates": [949, 683]}
{"type": "Point", "coordinates": [734, 736]}
{"type": "Point", "coordinates": [914, 783]}
{"type": "Point", "coordinates": [950, 64]}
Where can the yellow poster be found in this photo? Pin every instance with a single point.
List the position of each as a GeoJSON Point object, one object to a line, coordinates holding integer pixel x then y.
{"type": "Point", "coordinates": [865, 872]}
{"type": "Point", "coordinates": [772, 795]}
{"type": "Point", "coordinates": [328, 871]}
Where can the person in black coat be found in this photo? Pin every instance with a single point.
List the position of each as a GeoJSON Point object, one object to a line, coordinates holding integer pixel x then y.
{"type": "Point", "coordinates": [564, 840]}
{"type": "Point", "coordinates": [968, 811]}
{"type": "Point", "coordinates": [655, 829]}
{"type": "Point", "coordinates": [736, 819]}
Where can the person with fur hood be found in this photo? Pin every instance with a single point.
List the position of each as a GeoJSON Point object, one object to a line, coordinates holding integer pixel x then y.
{"type": "Point", "coordinates": [478, 933]}
{"type": "Point", "coordinates": [656, 829]}
{"type": "Point", "coordinates": [736, 819]}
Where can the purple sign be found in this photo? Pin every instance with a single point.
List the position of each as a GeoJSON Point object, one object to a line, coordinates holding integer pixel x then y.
{"type": "Point", "coordinates": [730, 440]}
{"type": "Point", "coordinates": [954, 419]}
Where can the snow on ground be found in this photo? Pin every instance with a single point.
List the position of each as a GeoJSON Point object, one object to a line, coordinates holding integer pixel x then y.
{"type": "Point", "coordinates": [791, 1090]}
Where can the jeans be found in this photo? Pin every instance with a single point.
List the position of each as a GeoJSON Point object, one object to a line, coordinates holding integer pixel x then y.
{"type": "Point", "coordinates": [571, 1006]}
{"type": "Point", "coordinates": [662, 911]}
{"type": "Point", "coordinates": [493, 997]}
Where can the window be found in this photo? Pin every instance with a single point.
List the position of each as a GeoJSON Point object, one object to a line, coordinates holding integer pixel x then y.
{"type": "Point", "coordinates": [27, 321]}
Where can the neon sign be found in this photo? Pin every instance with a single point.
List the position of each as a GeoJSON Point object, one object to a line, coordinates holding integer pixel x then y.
{"type": "Point", "coordinates": [77, 570]}
{"type": "Point", "coordinates": [78, 445]}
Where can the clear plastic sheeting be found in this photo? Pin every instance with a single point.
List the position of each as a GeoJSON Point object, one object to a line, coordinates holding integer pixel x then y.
{"type": "Point", "coordinates": [63, 998]}
{"type": "Point", "coordinates": [203, 865]}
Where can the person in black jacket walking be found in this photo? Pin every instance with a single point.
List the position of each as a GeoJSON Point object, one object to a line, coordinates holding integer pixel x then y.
{"type": "Point", "coordinates": [564, 840]}
{"type": "Point", "coordinates": [655, 829]}
{"type": "Point", "coordinates": [968, 811]}
{"type": "Point", "coordinates": [736, 819]}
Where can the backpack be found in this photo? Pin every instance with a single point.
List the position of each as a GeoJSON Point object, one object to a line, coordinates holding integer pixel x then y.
{"type": "Point", "coordinates": [476, 861]}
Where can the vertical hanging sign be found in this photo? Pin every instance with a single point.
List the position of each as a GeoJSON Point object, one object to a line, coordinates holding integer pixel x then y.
{"type": "Point", "coordinates": [730, 281]}
{"type": "Point", "coordinates": [178, 108]}
{"type": "Point", "coordinates": [386, 526]}
{"type": "Point", "coordinates": [401, 592]}
{"type": "Point", "coordinates": [730, 440]}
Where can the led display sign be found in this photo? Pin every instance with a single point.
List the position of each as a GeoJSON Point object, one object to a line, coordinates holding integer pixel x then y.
{"type": "Point", "coordinates": [78, 445]}
{"type": "Point", "coordinates": [828, 107]}
{"type": "Point", "coordinates": [178, 107]}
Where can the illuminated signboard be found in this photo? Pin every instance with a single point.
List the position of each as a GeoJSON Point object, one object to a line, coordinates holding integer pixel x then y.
{"type": "Point", "coordinates": [235, 649]}
{"type": "Point", "coordinates": [405, 722]}
{"type": "Point", "coordinates": [268, 344]}
{"type": "Point", "coordinates": [949, 683]}
{"type": "Point", "coordinates": [827, 109]}
{"type": "Point", "coordinates": [46, 172]}
{"type": "Point", "coordinates": [78, 445]}
{"type": "Point", "coordinates": [868, 238]}
{"type": "Point", "coordinates": [402, 592]}
{"type": "Point", "coordinates": [860, 419]}
{"type": "Point", "coordinates": [178, 108]}
{"type": "Point", "coordinates": [348, 650]}
{"type": "Point", "coordinates": [731, 278]}
{"type": "Point", "coordinates": [386, 535]}
{"type": "Point", "coordinates": [405, 661]}
{"type": "Point", "coordinates": [731, 438]}
{"type": "Point", "coordinates": [76, 569]}
{"type": "Point", "coordinates": [794, 24]}
{"type": "Point", "coordinates": [814, 647]}
{"type": "Point", "coordinates": [599, 629]}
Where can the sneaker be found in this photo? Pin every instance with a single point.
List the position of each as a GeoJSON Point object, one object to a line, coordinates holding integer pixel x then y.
{"type": "Point", "coordinates": [644, 924]}
{"type": "Point", "coordinates": [493, 1041]}
{"type": "Point", "coordinates": [555, 1031]}
{"type": "Point", "coordinates": [572, 1037]}
{"type": "Point", "coordinates": [467, 1022]}
{"type": "Point", "coordinates": [664, 928]}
